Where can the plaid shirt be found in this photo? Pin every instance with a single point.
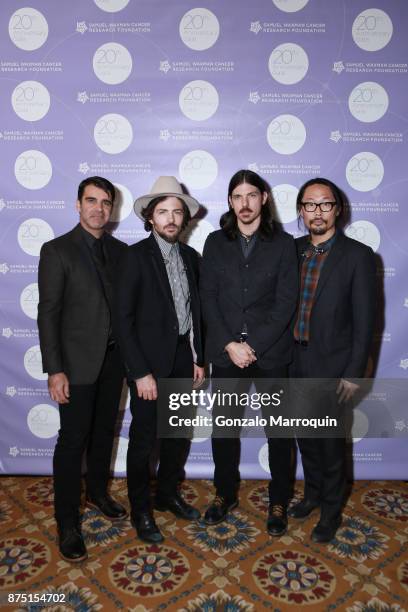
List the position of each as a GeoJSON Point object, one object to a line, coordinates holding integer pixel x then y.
{"type": "Point", "coordinates": [312, 264]}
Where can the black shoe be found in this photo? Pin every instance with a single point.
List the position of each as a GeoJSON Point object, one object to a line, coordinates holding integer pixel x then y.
{"type": "Point", "coordinates": [71, 544]}
{"type": "Point", "coordinates": [146, 528]}
{"type": "Point", "coordinates": [177, 506]}
{"type": "Point", "coordinates": [302, 509]}
{"type": "Point", "coordinates": [217, 512]}
{"type": "Point", "coordinates": [325, 531]}
{"type": "Point", "coordinates": [108, 507]}
{"type": "Point", "coordinates": [277, 522]}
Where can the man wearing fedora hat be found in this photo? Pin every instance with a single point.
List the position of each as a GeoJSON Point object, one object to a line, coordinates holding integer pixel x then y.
{"type": "Point", "coordinates": [158, 325]}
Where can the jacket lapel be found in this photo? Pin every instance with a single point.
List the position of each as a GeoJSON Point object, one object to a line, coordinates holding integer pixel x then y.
{"type": "Point", "coordinates": [83, 249]}
{"type": "Point", "coordinates": [112, 249]}
{"type": "Point", "coordinates": [160, 268]}
{"type": "Point", "coordinates": [259, 246]}
{"type": "Point", "coordinates": [238, 248]}
{"type": "Point", "coordinates": [301, 244]}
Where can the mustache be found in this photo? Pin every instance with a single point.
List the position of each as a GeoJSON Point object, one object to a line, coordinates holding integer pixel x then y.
{"type": "Point", "coordinates": [246, 209]}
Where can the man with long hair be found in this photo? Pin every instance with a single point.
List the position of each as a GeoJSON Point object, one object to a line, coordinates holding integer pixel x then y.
{"type": "Point", "coordinates": [248, 292]}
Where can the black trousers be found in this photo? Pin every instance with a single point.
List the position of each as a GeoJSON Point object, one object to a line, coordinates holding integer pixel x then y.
{"type": "Point", "coordinates": [227, 451]}
{"type": "Point", "coordinates": [323, 459]}
{"type": "Point", "coordinates": [87, 423]}
{"type": "Point", "coordinates": [142, 440]}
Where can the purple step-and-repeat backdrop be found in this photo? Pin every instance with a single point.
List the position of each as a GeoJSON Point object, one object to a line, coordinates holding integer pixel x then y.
{"type": "Point", "coordinates": [132, 89]}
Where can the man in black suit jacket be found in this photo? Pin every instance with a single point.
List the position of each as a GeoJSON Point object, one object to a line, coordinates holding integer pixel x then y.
{"type": "Point", "coordinates": [79, 353]}
{"type": "Point", "coordinates": [248, 291]}
{"type": "Point", "coordinates": [333, 333]}
{"type": "Point", "coordinates": [158, 325]}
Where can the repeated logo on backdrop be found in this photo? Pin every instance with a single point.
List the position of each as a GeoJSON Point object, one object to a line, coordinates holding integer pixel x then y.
{"type": "Point", "coordinates": [289, 88]}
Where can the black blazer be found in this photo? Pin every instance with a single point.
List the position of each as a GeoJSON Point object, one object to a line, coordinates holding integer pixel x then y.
{"type": "Point", "coordinates": [260, 290]}
{"type": "Point", "coordinates": [145, 320]}
{"type": "Point", "coordinates": [73, 315]}
{"type": "Point", "coordinates": [343, 313]}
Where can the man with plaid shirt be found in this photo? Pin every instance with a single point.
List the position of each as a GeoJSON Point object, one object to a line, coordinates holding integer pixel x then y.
{"type": "Point", "coordinates": [332, 333]}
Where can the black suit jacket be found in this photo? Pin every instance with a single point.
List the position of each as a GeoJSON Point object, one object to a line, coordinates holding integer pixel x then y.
{"type": "Point", "coordinates": [260, 290]}
{"type": "Point", "coordinates": [343, 312]}
{"type": "Point", "coordinates": [73, 315]}
{"type": "Point", "coordinates": [145, 319]}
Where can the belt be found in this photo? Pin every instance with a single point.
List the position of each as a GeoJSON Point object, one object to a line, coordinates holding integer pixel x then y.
{"type": "Point", "coordinates": [302, 342]}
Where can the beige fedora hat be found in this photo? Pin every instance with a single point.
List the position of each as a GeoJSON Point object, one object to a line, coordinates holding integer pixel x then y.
{"type": "Point", "coordinates": [166, 186]}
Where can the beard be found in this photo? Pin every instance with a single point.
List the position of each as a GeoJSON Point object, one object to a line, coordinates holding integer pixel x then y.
{"type": "Point", "coordinates": [170, 239]}
{"type": "Point", "coordinates": [318, 230]}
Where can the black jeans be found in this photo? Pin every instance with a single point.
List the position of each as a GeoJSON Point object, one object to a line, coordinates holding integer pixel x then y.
{"type": "Point", "coordinates": [226, 451]}
{"type": "Point", "coordinates": [323, 459]}
{"type": "Point", "coordinates": [142, 440]}
{"type": "Point", "coordinates": [87, 422]}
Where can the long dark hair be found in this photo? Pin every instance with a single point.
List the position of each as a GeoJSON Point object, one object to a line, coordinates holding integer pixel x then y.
{"type": "Point", "coordinates": [228, 221]}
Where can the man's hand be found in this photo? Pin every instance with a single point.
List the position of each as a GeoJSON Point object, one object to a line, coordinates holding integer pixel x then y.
{"type": "Point", "coordinates": [345, 390]}
{"type": "Point", "coordinates": [58, 387]}
{"type": "Point", "coordinates": [198, 377]}
{"type": "Point", "coordinates": [240, 354]}
{"type": "Point", "coordinates": [146, 387]}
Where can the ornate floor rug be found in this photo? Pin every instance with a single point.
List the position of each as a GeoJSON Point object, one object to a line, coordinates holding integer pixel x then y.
{"type": "Point", "coordinates": [234, 566]}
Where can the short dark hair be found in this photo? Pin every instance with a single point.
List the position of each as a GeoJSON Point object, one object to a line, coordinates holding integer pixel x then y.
{"type": "Point", "coordinates": [228, 221]}
{"type": "Point", "coordinates": [339, 196]}
{"type": "Point", "coordinates": [147, 212]}
{"type": "Point", "coordinates": [97, 181]}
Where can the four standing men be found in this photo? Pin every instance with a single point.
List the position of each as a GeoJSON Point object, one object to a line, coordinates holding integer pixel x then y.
{"type": "Point", "coordinates": [249, 291]}
{"type": "Point", "coordinates": [82, 359]}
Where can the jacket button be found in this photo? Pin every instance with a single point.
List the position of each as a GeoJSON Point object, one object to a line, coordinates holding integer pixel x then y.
{"type": "Point", "coordinates": [245, 288]}
{"type": "Point", "coordinates": [246, 266]}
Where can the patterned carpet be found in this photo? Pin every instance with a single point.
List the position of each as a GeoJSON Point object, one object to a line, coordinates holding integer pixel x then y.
{"type": "Point", "coordinates": [233, 566]}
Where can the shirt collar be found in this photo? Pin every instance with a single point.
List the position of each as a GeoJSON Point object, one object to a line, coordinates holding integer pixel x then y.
{"type": "Point", "coordinates": [90, 238]}
{"type": "Point", "coordinates": [165, 247]}
{"type": "Point", "coordinates": [322, 247]}
{"type": "Point", "coordinates": [250, 238]}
